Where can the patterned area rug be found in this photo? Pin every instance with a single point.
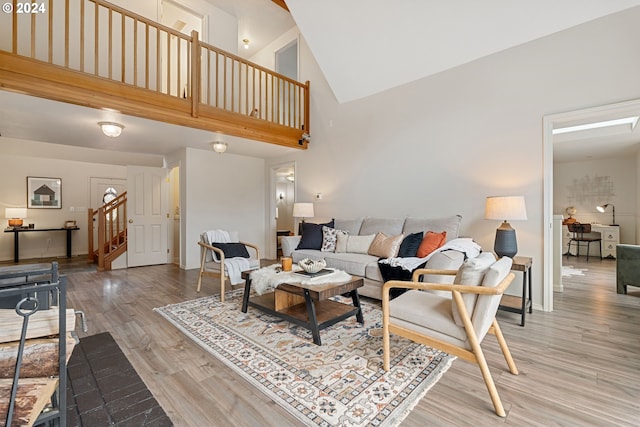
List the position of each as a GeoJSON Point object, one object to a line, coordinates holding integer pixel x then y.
{"type": "Point", "coordinates": [340, 383]}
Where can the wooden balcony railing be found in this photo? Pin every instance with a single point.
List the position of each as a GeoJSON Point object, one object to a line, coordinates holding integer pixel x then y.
{"type": "Point", "coordinates": [96, 54]}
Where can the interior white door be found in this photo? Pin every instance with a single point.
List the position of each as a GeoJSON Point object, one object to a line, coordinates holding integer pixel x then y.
{"type": "Point", "coordinates": [147, 212]}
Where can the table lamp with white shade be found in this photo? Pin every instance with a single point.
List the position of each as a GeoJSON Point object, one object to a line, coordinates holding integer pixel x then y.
{"type": "Point", "coordinates": [15, 216]}
{"type": "Point", "coordinates": [505, 208]}
{"type": "Point", "coordinates": [302, 210]}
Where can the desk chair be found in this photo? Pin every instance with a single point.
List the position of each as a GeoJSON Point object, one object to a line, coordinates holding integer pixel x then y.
{"type": "Point", "coordinates": [582, 234]}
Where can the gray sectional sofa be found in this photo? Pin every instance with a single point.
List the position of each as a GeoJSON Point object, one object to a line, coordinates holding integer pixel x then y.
{"type": "Point", "coordinates": [365, 265]}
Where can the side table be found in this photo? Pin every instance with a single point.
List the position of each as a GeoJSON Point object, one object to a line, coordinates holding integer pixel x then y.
{"type": "Point", "coordinates": [521, 304]}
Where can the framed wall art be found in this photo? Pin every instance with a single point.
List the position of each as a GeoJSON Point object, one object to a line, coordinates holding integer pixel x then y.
{"type": "Point", "coordinates": [44, 193]}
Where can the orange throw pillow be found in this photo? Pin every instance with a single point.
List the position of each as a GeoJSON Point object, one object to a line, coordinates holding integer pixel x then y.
{"type": "Point", "coordinates": [431, 242]}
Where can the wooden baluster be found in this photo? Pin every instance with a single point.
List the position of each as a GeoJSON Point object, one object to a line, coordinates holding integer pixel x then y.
{"type": "Point", "coordinates": [81, 34]}
{"type": "Point", "coordinates": [122, 48]}
{"type": "Point", "coordinates": [50, 18]}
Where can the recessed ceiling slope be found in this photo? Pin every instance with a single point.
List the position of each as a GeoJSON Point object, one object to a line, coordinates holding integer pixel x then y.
{"type": "Point", "coordinates": [364, 47]}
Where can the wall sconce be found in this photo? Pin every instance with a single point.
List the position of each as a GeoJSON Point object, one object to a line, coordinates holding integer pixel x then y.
{"type": "Point", "coordinates": [602, 208]}
{"type": "Point", "coordinates": [281, 196]}
{"type": "Point", "coordinates": [290, 178]}
{"type": "Point", "coordinates": [15, 216]}
{"type": "Point", "coordinates": [111, 129]}
{"type": "Point", "coordinates": [245, 42]}
{"type": "Point", "coordinates": [219, 147]}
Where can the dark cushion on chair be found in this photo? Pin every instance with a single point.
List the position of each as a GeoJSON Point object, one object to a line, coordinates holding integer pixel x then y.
{"type": "Point", "coordinates": [232, 250]}
{"type": "Point", "coordinates": [312, 235]}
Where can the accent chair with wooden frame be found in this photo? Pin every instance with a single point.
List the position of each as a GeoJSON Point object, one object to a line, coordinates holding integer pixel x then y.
{"type": "Point", "coordinates": [453, 318]}
{"type": "Point", "coordinates": [210, 266]}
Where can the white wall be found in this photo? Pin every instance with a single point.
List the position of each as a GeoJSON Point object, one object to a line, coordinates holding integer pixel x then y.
{"type": "Point", "coordinates": [587, 184]}
{"type": "Point", "coordinates": [75, 193]}
{"type": "Point", "coordinates": [440, 145]}
{"type": "Point", "coordinates": [223, 191]}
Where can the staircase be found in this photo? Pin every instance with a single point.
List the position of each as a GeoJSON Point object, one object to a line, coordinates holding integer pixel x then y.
{"type": "Point", "coordinates": [112, 232]}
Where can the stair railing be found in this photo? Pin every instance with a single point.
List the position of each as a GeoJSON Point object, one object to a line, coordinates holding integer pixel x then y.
{"type": "Point", "coordinates": [112, 231]}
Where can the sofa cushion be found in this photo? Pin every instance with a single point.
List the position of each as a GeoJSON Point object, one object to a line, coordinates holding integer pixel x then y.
{"type": "Point", "coordinates": [350, 262]}
{"type": "Point", "coordinates": [449, 224]}
{"type": "Point", "coordinates": [350, 225]}
{"type": "Point", "coordinates": [388, 226]}
{"type": "Point", "coordinates": [312, 235]}
{"type": "Point", "coordinates": [359, 244]}
{"type": "Point", "coordinates": [431, 242]}
{"type": "Point", "coordinates": [410, 244]}
{"type": "Point", "coordinates": [384, 246]}
{"type": "Point", "coordinates": [471, 274]}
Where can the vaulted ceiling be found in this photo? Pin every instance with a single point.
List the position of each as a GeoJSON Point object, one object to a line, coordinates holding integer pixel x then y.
{"type": "Point", "coordinates": [364, 47]}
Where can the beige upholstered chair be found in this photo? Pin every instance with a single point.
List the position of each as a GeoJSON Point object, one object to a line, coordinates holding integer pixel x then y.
{"type": "Point", "coordinates": [455, 322]}
{"type": "Point", "coordinates": [212, 259]}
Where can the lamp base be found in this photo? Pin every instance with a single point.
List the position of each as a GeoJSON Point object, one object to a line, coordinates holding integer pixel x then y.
{"type": "Point", "coordinates": [15, 222]}
{"type": "Point", "coordinates": [505, 243]}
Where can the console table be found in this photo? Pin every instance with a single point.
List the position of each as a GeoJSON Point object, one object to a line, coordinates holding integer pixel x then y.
{"type": "Point", "coordinates": [16, 241]}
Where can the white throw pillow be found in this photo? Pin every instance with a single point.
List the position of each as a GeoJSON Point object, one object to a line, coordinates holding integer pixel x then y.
{"type": "Point", "coordinates": [359, 244]}
{"type": "Point", "coordinates": [341, 241]}
{"type": "Point", "coordinates": [471, 274]}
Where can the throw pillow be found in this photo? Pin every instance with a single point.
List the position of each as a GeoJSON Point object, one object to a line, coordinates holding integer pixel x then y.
{"type": "Point", "coordinates": [341, 241]}
{"type": "Point", "coordinates": [384, 246]}
{"type": "Point", "coordinates": [410, 244]}
{"type": "Point", "coordinates": [312, 235]}
{"type": "Point", "coordinates": [431, 242]}
{"type": "Point", "coordinates": [359, 244]}
{"type": "Point", "coordinates": [329, 239]}
{"type": "Point", "coordinates": [232, 250]}
{"type": "Point", "coordinates": [471, 274]}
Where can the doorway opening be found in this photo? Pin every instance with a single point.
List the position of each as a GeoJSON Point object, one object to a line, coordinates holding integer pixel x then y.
{"type": "Point", "coordinates": [283, 178]}
{"type": "Point", "coordinates": [605, 144]}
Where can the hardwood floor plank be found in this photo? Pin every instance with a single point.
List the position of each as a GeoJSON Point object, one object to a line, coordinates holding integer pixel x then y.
{"type": "Point", "coordinates": [579, 365]}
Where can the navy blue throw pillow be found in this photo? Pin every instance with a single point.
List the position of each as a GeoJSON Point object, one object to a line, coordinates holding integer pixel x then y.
{"type": "Point", "coordinates": [232, 250]}
{"type": "Point", "coordinates": [410, 244]}
{"type": "Point", "coordinates": [312, 235]}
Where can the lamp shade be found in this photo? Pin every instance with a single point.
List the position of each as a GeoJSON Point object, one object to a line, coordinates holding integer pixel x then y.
{"type": "Point", "coordinates": [303, 210]}
{"type": "Point", "coordinates": [504, 208]}
{"type": "Point", "coordinates": [18, 213]}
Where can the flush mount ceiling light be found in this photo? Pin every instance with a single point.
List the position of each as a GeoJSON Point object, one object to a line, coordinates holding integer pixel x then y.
{"type": "Point", "coordinates": [588, 126]}
{"type": "Point", "coordinates": [111, 129]}
{"type": "Point", "coordinates": [219, 147]}
{"type": "Point", "coordinates": [245, 42]}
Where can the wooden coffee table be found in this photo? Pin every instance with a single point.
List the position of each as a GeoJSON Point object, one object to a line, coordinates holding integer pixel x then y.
{"type": "Point", "coordinates": [307, 305]}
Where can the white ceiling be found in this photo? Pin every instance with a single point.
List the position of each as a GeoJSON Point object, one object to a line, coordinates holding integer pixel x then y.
{"type": "Point", "coordinates": [364, 46]}
{"type": "Point", "coordinates": [358, 45]}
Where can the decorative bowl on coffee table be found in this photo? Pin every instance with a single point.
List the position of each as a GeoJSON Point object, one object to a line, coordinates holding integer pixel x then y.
{"type": "Point", "coordinates": [312, 266]}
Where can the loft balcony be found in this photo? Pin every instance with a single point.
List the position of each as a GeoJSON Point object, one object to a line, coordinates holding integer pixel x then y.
{"type": "Point", "coordinates": [95, 54]}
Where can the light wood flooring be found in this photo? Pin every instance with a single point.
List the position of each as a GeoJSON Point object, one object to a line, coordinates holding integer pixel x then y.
{"type": "Point", "coordinates": [579, 365]}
